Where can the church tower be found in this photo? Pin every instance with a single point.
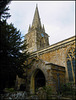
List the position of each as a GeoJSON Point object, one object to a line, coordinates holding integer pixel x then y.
{"type": "Point", "coordinates": [36, 37]}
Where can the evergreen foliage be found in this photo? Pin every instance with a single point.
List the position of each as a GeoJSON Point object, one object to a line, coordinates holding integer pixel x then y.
{"type": "Point", "coordinates": [4, 9]}
{"type": "Point", "coordinates": [13, 53]}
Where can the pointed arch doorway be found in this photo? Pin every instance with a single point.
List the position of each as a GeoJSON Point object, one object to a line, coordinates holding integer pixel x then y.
{"type": "Point", "coordinates": [37, 80]}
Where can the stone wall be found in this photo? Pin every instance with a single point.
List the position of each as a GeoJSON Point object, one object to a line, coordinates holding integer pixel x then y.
{"type": "Point", "coordinates": [50, 72]}
{"type": "Point", "coordinates": [50, 61]}
{"type": "Point", "coordinates": [56, 53]}
{"type": "Point", "coordinates": [31, 41]}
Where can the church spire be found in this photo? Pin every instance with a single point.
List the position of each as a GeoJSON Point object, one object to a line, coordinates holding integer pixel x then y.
{"type": "Point", "coordinates": [36, 20]}
{"type": "Point", "coordinates": [43, 28]}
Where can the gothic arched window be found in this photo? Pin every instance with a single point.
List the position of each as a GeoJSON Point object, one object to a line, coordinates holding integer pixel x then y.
{"type": "Point", "coordinates": [71, 58]}
{"type": "Point", "coordinates": [69, 70]}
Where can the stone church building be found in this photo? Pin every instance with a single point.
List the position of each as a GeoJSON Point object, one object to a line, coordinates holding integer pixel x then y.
{"type": "Point", "coordinates": [51, 65]}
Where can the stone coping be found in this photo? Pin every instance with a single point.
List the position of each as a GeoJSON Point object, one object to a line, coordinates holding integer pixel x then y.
{"type": "Point", "coordinates": [55, 65]}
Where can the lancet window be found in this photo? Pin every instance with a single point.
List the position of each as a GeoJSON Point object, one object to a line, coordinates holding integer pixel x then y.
{"type": "Point", "coordinates": [71, 59]}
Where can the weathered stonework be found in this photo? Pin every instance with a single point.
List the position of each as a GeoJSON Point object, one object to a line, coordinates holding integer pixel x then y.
{"type": "Point", "coordinates": [50, 72]}
{"type": "Point", "coordinates": [36, 37]}
{"type": "Point", "coordinates": [50, 61]}
{"type": "Point", "coordinates": [58, 54]}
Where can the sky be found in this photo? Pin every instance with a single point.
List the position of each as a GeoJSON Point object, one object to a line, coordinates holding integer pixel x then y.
{"type": "Point", "coordinates": [58, 17]}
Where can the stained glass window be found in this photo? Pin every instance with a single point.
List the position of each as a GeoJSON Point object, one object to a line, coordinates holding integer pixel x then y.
{"type": "Point", "coordinates": [71, 57]}
{"type": "Point", "coordinates": [73, 62]}
{"type": "Point", "coordinates": [69, 70]}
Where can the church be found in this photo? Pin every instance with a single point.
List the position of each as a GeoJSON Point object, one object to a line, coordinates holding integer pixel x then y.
{"type": "Point", "coordinates": [51, 65]}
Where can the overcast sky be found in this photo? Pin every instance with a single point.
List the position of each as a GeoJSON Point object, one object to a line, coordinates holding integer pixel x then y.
{"type": "Point", "coordinates": [58, 17]}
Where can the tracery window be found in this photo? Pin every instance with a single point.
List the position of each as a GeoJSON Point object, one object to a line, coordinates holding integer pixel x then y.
{"type": "Point", "coordinates": [71, 59]}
